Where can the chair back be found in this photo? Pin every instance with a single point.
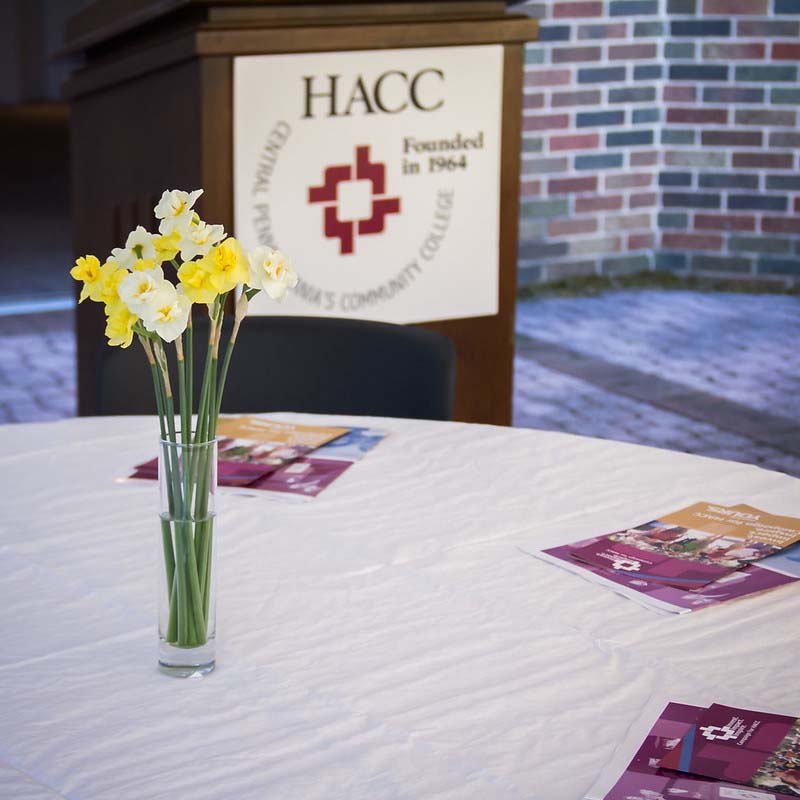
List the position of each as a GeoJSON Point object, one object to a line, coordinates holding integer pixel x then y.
{"type": "Point", "coordinates": [308, 364]}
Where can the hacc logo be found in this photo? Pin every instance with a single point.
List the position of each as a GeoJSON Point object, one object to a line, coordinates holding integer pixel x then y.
{"type": "Point", "coordinates": [627, 564]}
{"type": "Point", "coordinates": [351, 206]}
{"type": "Point", "coordinates": [722, 733]}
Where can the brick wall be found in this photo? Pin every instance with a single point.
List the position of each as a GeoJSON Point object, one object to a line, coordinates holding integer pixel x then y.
{"type": "Point", "coordinates": [661, 133]}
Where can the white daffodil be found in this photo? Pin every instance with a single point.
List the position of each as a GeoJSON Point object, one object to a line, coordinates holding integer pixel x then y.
{"type": "Point", "coordinates": [140, 244]}
{"type": "Point", "coordinates": [174, 209]}
{"type": "Point", "coordinates": [271, 271]}
{"type": "Point", "coordinates": [169, 315]}
{"type": "Point", "coordinates": [138, 290]}
{"type": "Point", "coordinates": [199, 238]}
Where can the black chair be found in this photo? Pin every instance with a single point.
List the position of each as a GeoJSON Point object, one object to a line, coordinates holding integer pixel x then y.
{"type": "Point", "coordinates": [310, 364]}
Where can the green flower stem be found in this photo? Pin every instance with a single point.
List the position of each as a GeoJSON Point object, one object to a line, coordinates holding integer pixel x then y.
{"type": "Point", "coordinates": [224, 374]}
{"type": "Point", "coordinates": [186, 436]}
{"type": "Point", "coordinates": [189, 366]}
{"type": "Point", "coordinates": [191, 621]}
{"type": "Point", "coordinates": [208, 421]}
{"type": "Point", "coordinates": [166, 533]}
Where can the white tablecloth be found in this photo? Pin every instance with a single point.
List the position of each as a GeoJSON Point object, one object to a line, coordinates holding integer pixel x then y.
{"type": "Point", "coordinates": [390, 639]}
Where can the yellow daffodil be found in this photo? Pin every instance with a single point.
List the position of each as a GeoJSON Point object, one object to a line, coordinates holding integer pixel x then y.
{"type": "Point", "coordinates": [227, 264]}
{"type": "Point", "coordinates": [167, 247]}
{"type": "Point", "coordinates": [119, 324]}
{"type": "Point", "coordinates": [87, 269]}
{"type": "Point", "coordinates": [111, 275]}
{"type": "Point", "coordinates": [142, 264]}
{"type": "Point", "coordinates": [195, 280]}
{"type": "Point", "coordinates": [271, 271]}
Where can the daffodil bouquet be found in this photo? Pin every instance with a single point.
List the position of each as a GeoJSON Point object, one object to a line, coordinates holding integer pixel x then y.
{"type": "Point", "coordinates": [207, 268]}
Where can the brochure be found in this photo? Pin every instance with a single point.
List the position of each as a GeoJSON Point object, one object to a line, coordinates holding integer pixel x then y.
{"type": "Point", "coordinates": [262, 455]}
{"type": "Point", "coordinates": [771, 572]}
{"type": "Point", "coordinates": [754, 748]}
{"type": "Point", "coordinates": [251, 448]}
{"type": "Point", "coordinates": [694, 546]}
{"type": "Point", "coordinates": [307, 476]}
{"type": "Point", "coordinates": [646, 777]}
{"type": "Point", "coordinates": [612, 555]}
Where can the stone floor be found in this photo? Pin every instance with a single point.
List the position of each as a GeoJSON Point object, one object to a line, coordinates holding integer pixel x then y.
{"type": "Point", "coordinates": [714, 374]}
{"type": "Point", "coordinates": [710, 373]}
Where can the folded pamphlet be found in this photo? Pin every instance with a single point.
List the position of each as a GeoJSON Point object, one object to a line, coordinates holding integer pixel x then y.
{"type": "Point", "coordinates": [263, 455]}
{"type": "Point", "coordinates": [657, 579]}
{"type": "Point", "coordinates": [648, 778]}
{"type": "Point", "coordinates": [754, 748]}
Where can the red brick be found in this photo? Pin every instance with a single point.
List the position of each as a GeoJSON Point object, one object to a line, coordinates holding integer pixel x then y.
{"type": "Point", "coordinates": [577, 141]}
{"type": "Point", "coordinates": [781, 224]}
{"type": "Point", "coordinates": [530, 188]}
{"type": "Point", "coordinates": [641, 241]}
{"type": "Point", "coordinates": [785, 51]}
{"type": "Point", "coordinates": [627, 222]}
{"type": "Point", "coordinates": [631, 51]}
{"type": "Point", "coordinates": [567, 227]}
{"type": "Point", "coordinates": [643, 158]}
{"type": "Point", "coordinates": [679, 93]}
{"type": "Point", "coordinates": [636, 179]}
{"type": "Point", "coordinates": [607, 203]}
{"type": "Point", "coordinates": [547, 77]}
{"type": "Point", "coordinates": [698, 115]}
{"type": "Point", "coordinates": [754, 7]}
{"type": "Point", "coordinates": [691, 241]}
{"type": "Point", "coordinates": [724, 222]}
{"type": "Point", "coordinates": [643, 200]}
{"type": "Point", "coordinates": [545, 122]}
{"type": "Point", "coordinates": [532, 100]}
{"type": "Point", "coordinates": [770, 160]}
{"type": "Point", "coordinates": [572, 55]}
{"type": "Point", "coordinates": [577, 9]}
{"type": "Point", "coordinates": [726, 50]}
{"type": "Point", "coordinates": [568, 185]}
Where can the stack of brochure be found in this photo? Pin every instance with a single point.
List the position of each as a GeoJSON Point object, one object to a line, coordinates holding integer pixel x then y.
{"type": "Point", "coordinates": [262, 455]}
{"type": "Point", "coordinates": [690, 559]}
{"type": "Point", "coordinates": [714, 753]}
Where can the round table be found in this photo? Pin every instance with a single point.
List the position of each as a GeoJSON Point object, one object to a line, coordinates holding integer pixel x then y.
{"type": "Point", "coordinates": [392, 638]}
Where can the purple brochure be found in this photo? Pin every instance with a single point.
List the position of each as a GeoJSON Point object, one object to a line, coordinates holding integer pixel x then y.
{"type": "Point", "coordinates": [753, 579]}
{"type": "Point", "coordinates": [646, 779]}
{"type": "Point", "coordinates": [755, 748]}
{"type": "Point", "coordinates": [305, 476]}
{"type": "Point", "coordinates": [618, 557]}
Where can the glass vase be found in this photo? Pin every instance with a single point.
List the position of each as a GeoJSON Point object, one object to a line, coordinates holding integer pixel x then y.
{"type": "Point", "coordinates": [187, 477]}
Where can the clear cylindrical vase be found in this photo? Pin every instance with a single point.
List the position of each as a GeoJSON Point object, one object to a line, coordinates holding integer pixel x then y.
{"type": "Point", "coordinates": [187, 477]}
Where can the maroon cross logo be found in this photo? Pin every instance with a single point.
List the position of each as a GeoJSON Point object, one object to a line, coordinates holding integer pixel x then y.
{"type": "Point", "coordinates": [342, 224]}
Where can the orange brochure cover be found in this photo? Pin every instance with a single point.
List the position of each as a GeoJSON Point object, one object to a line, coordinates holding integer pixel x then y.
{"type": "Point", "coordinates": [288, 434]}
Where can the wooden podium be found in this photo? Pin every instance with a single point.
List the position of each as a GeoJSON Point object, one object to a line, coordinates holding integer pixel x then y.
{"type": "Point", "coordinates": [152, 108]}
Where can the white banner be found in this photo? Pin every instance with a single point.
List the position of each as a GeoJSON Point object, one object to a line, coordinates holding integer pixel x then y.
{"type": "Point", "coordinates": [377, 173]}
